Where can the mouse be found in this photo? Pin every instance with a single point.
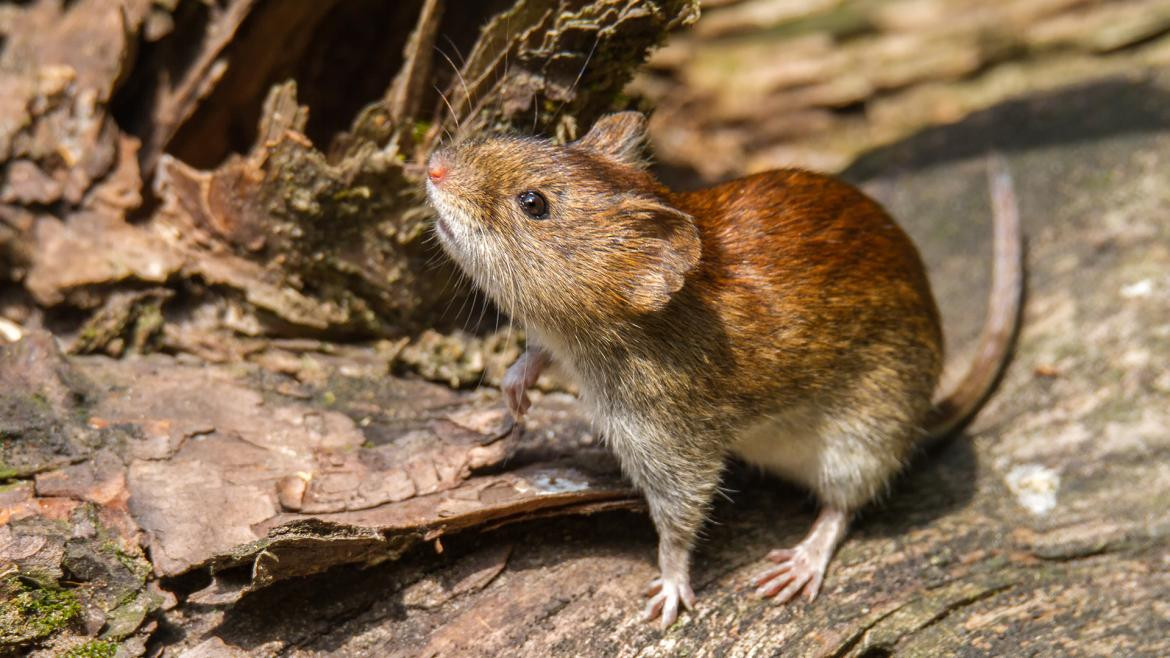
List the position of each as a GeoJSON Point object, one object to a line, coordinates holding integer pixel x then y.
{"type": "Point", "coordinates": [783, 319]}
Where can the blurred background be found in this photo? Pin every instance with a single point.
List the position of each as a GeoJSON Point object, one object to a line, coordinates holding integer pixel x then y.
{"type": "Point", "coordinates": [761, 84]}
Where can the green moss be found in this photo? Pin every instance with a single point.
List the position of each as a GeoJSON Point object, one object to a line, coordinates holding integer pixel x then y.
{"type": "Point", "coordinates": [32, 613]}
{"type": "Point", "coordinates": [134, 564]}
{"type": "Point", "coordinates": [88, 334]}
{"type": "Point", "coordinates": [846, 21]}
{"type": "Point", "coordinates": [421, 128]}
{"type": "Point", "coordinates": [8, 486]}
{"type": "Point", "coordinates": [359, 192]}
{"type": "Point", "coordinates": [93, 649]}
{"type": "Point", "coordinates": [128, 616]}
{"type": "Point", "coordinates": [41, 402]}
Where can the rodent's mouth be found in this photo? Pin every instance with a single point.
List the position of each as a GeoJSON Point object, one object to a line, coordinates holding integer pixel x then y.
{"type": "Point", "coordinates": [441, 227]}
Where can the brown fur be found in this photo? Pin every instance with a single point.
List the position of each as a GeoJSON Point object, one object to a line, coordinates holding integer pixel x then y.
{"type": "Point", "coordinates": [787, 297]}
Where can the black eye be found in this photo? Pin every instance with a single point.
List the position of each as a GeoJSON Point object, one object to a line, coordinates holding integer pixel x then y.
{"type": "Point", "coordinates": [533, 203]}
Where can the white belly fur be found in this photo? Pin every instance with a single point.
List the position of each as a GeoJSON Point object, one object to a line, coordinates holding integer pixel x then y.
{"type": "Point", "coordinates": [841, 459]}
{"type": "Point", "coordinates": [783, 448]}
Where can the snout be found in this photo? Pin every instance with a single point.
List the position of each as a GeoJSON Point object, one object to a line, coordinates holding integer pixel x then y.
{"type": "Point", "coordinates": [438, 167]}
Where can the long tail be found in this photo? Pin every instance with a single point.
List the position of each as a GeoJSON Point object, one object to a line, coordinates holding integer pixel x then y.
{"type": "Point", "coordinates": [955, 408]}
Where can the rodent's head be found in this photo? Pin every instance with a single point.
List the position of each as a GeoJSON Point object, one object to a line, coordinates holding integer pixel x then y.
{"type": "Point", "coordinates": [563, 233]}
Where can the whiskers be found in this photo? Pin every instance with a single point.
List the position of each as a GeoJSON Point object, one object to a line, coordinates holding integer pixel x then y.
{"type": "Point", "coordinates": [462, 81]}
{"type": "Point", "coordinates": [450, 110]}
{"type": "Point", "coordinates": [577, 80]}
{"type": "Point", "coordinates": [455, 115]}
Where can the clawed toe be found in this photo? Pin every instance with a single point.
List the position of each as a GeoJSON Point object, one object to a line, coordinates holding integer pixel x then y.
{"type": "Point", "coordinates": [654, 587]}
{"type": "Point", "coordinates": [781, 554]}
{"type": "Point", "coordinates": [770, 574]}
{"type": "Point", "coordinates": [664, 607]}
{"type": "Point", "coordinates": [792, 575]}
{"type": "Point", "coordinates": [783, 588]}
{"type": "Point", "coordinates": [666, 598]}
{"type": "Point", "coordinates": [653, 607]}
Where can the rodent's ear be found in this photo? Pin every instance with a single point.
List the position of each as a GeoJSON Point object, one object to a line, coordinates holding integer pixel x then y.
{"type": "Point", "coordinates": [617, 136]}
{"type": "Point", "coordinates": [671, 248]}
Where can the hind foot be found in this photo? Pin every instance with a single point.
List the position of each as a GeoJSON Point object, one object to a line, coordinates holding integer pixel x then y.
{"type": "Point", "coordinates": [802, 569]}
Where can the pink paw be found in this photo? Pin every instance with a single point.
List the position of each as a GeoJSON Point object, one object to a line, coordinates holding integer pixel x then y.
{"type": "Point", "coordinates": [520, 376]}
{"type": "Point", "coordinates": [515, 390]}
{"type": "Point", "coordinates": [665, 596]}
{"type": "Point", "coordinates": [797, 569]}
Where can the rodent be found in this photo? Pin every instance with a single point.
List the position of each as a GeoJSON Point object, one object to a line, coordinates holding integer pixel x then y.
{"type": "Point", "coordinates": [783, 318]}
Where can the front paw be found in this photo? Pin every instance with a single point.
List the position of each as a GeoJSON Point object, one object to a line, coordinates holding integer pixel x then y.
{"type": "Point", "coordinates": [665, 595]}
{"type": "Point", "coordinates": [515, 390]}
{"type": "Point", "coordinates": [520, 376]}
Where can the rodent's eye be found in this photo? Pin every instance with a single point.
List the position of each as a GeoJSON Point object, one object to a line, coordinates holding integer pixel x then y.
{"type": "Point", "coordinates": [533, 203]}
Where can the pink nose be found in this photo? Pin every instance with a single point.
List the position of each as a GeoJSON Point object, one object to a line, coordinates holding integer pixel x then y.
{"type": "Point", "coordinates": [437, 170]}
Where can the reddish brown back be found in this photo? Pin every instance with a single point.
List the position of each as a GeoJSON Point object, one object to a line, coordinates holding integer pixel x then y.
{"type": "Point", "coordinates": [812, 283]}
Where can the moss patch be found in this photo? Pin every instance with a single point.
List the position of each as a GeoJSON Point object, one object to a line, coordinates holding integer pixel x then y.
{"type": "Point", "coordinates": [29, 612]}
{"type": "Point", "coordinates": [93, 649]}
